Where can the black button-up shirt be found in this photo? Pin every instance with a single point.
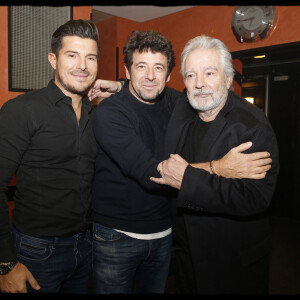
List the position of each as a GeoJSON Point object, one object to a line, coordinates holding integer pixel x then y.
{"type": "Point", "coordinates": [53, 159]}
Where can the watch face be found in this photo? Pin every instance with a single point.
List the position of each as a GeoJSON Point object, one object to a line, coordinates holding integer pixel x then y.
{"type": "Point", "coordinates": [251, 23]}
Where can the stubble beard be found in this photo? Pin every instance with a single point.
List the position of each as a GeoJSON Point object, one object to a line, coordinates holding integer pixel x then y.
{"type": "Point", "coordinates": [147, 98]}
{"type": "Point", "coordinates": [72, 89]}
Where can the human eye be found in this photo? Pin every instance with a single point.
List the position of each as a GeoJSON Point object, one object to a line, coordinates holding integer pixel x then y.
{"type": "Point", "coordinates": [140, 67]}
{"type": "Point", "coordinates": [190, 76]}
{"type": "Point", "coordinates": [159, 68]}
{"type": "Point", "coordinates": [210, 73]}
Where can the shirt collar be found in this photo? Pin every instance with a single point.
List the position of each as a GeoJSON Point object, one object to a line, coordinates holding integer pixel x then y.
{"type": "Point", "coordinates": [55, 94]}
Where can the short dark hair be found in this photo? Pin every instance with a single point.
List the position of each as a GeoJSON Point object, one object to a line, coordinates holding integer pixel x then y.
{"type": "Point", "coordinates": [81, 28]}
{"type": "Point", "coordinates": [148, 40]}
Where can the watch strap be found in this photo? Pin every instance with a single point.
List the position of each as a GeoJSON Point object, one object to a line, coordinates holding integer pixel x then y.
{"type": "Point", "coordinates": [6, 267]}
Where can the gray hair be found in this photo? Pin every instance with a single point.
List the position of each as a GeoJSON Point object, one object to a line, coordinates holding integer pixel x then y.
{"type": "Point", "coordinates": [206, 42]}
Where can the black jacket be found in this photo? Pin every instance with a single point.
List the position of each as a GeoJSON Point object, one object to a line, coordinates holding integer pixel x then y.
{"type": "Point", "coordinates": [225, 219]}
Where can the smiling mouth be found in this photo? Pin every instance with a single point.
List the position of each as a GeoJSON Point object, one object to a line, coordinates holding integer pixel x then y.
{"type": "Point", "coordinates": [80, 75]}
{"type": "Point", "coordinates": [149, 87]}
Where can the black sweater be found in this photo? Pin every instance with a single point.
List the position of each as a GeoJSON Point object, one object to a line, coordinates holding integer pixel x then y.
{"type": "Point", "coordinates": [131, 136]}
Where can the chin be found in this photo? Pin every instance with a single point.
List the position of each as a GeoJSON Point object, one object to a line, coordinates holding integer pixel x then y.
{"type": "Point", "coordinates": [81, 88]}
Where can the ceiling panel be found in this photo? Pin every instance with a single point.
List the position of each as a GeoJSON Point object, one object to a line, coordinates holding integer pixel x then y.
{"type": "Point", "coordinates": [138, 13]}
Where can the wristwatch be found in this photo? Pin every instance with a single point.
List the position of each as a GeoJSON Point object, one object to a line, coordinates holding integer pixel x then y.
{"type": "Point", "coordinates": [6, 267]}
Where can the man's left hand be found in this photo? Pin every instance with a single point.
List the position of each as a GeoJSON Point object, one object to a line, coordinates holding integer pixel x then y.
{"type": "Point", "coordinates": [172, 171]}
{"type": "Point", "coordinates": [102, 89]}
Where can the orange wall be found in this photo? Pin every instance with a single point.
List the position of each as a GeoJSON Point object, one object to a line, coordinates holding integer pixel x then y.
{"type": "Point", "coordinates": [79, 12]}
{"type": "Point", "coordinates": [4, 93]}
{"type": "Point", "coordinates": [113, 33]}
{"type": "Point", "coordinates": [237, 64]}
{"type": "Point", "coordinates": [182, 26]}
{"type": "Point", "coordinates": [82, 12]}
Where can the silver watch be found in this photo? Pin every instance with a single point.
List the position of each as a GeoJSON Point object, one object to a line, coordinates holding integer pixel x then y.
{"type": "Point", "coordinates": [6, 267]}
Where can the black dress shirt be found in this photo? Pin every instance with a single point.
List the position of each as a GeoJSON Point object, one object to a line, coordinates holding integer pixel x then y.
{"type": "Point", "coordinates": [53, 159]}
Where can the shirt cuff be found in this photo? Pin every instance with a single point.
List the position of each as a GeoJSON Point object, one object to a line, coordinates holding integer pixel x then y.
{"type": "Point", "coordinates": [7, 250]}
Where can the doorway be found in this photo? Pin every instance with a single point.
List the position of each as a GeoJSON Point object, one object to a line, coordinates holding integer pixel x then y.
{"type": "Point", "coordinates": [274, 84]}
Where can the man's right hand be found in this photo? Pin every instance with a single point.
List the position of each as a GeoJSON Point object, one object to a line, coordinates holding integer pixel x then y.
{"type": "Point", "coordinates": [15, 280]}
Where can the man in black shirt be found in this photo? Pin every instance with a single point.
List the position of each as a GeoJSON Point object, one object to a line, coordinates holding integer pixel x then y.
{"type": "Point", "coordinates": [46, 139]}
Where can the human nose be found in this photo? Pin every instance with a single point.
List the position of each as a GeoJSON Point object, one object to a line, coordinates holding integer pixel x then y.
{"type": "Point", "coordinates": [150, 74]}
{"type": "Point", "coordinates": [82, 63]}
{"type": "Point", "coordinates": [199, 81]}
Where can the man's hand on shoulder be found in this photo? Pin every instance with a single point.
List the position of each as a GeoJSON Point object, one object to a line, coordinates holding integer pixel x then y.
{"type": "Point", "coordinates": [236, 164]}
{"type": "Point", "coordinates": [102, 89]}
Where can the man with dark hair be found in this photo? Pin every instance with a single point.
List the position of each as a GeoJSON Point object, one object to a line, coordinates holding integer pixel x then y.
{"type": "Point", "coordinates": [132, 223]}
{"type": "Point", "coordinates": [46, 138]}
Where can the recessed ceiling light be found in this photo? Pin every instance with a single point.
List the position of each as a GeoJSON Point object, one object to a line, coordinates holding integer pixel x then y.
{"type": "Point", "coordinates": [259, 56]}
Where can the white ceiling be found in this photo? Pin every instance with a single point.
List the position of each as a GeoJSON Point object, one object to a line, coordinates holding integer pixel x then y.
{"type": "Point", "coordinates": [138, 13]}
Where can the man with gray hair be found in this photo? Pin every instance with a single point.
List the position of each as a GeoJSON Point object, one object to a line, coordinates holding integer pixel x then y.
{"type": "Point", "coordinates": [220, 228]}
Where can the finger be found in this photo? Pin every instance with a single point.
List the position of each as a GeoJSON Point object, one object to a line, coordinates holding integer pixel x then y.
{"type": "Point", "coordinates": [176, 157]}
{"type": "Point", "coordinates": [172, 159]}
{"type": "Point", "coordinates": [159, 167]}
{"type": "Point", "coordinates": [262, 169]}
{"type": "Point", "coordinates": [242, 147]}
{"type": "Point", "coordinates": [97, 84]}
{"type": "Point", "coordinates": [261, 162]}
{"type": "Point", "coordinates": [90, 94]}
{"type": "Point", "coordinates": [259, 175]}
{"type": "Point", "coordinates": [260, 155]}
{"type": "Point", "coordinates": [32, 281]}
{"type": "Point", "coordinates": [158, 180]}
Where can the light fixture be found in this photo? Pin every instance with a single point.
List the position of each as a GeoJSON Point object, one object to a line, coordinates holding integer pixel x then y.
{"type": "Point", "coordinates": [259, 56]}
{"type": "Point", "coordinates": [250, 99]}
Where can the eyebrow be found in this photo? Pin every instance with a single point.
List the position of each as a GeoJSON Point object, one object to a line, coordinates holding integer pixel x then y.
{"type": "Point", "coordinates": [156, 64]}
{"type": "Point", "coordinates": [207, 68]}
{"type": "Point", "coordinates": [211, 67]}
{"type": "Point", "coordinates": [76, 52]}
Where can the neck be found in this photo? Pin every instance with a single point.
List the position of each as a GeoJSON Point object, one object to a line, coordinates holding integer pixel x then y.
{"type": "Point", "coordinates": [76, 101]}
